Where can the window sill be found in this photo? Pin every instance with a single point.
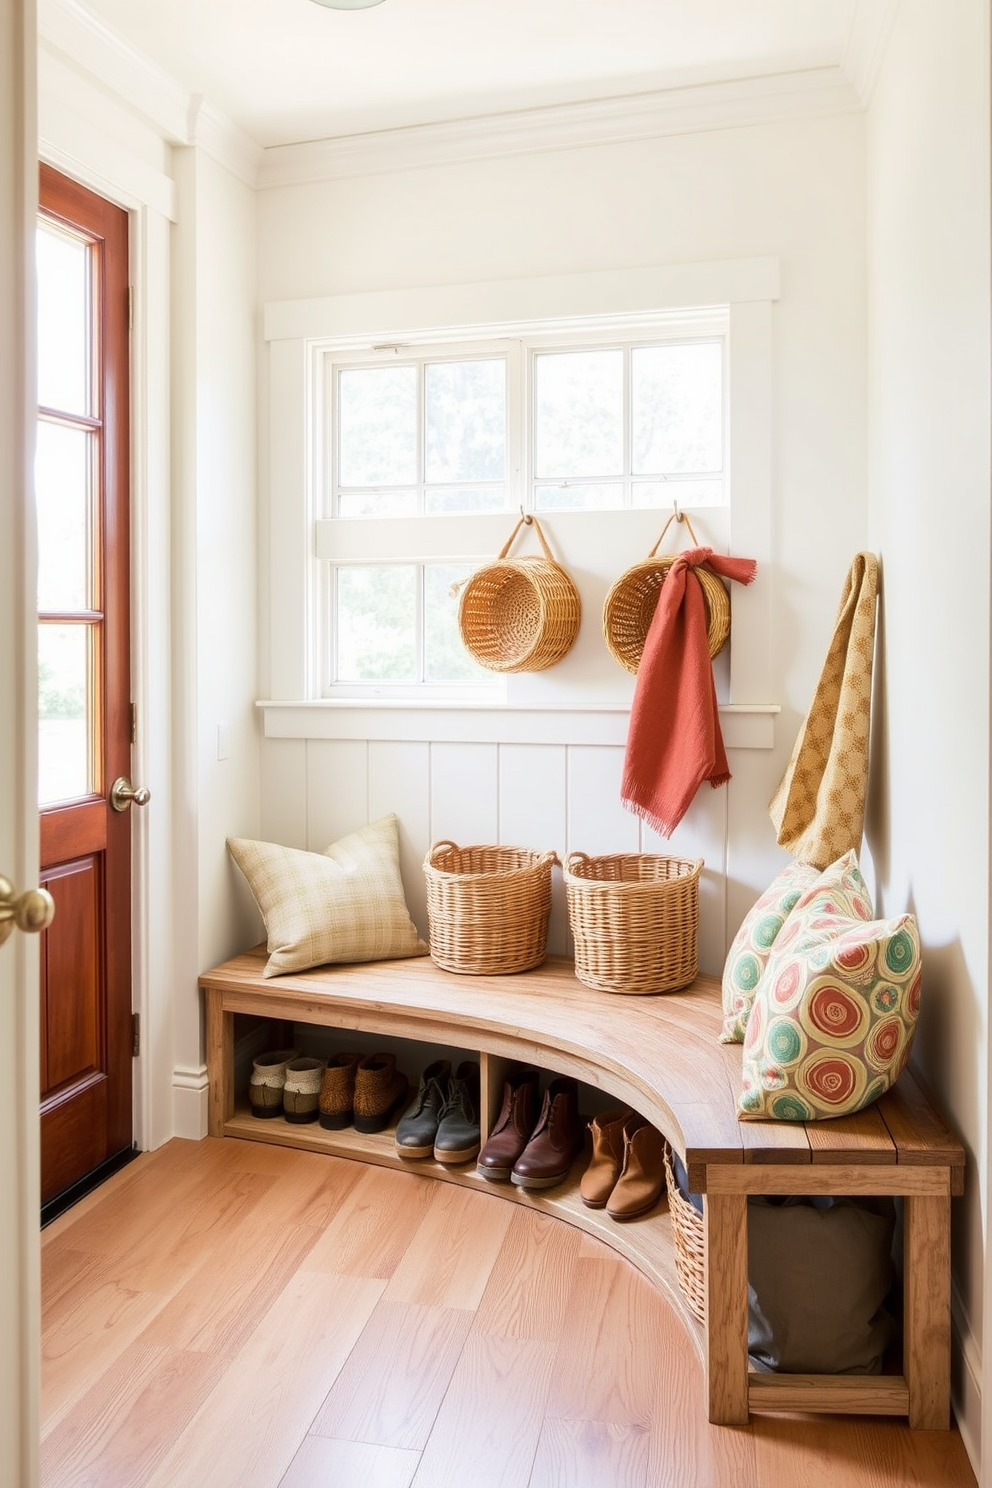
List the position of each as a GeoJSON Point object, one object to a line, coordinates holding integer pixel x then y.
{"type": "Point", "coordinates": [745, 726]}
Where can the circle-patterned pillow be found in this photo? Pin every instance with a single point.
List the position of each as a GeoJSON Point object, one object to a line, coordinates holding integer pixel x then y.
{"type": "Point", "coordinates": [832, 1023]}
{"type": "Point", "coordinates": [800, 901]}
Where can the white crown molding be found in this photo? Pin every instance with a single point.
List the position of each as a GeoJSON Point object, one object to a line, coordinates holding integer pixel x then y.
{"type": "Point", "coordinates": [69, 30]}
{"type": "Point", "coordinates": [871, 27]}
{"type": "Point", "coordinates": [759, 100]}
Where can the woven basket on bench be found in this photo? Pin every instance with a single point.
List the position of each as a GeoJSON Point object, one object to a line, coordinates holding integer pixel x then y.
{"type": "Point", "coordinates": [488, 907]}
{"type": "Point", "coordinates": [687, 1233]}
{"type": "Point", "coordinates": [519, 614]}
{"type": "Point", "coordinates": [635, 920]}
{"type": "Point", "coordinates": [631, 603]}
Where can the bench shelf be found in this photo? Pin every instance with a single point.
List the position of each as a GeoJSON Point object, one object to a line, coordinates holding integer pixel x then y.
{"type": "Point", "coordinates": [661, 1056]}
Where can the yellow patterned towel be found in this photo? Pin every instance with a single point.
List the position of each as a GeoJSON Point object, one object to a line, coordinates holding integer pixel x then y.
{"type": "Point", "coordinates": [819, 808]}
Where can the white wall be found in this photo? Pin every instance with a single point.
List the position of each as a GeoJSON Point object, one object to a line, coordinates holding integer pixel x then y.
{"type": "Point", "coordinates": [722, 195]}
{"type": "Point", "coordinates": [214, 592]}
{"type": "Point", "coordinates": [928, 236]}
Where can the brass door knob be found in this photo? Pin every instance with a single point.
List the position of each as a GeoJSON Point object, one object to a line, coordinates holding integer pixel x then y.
{"type": "Point", "coordinates": [123, 795]}
{"type": "Point", "coordinates": [32, 911]}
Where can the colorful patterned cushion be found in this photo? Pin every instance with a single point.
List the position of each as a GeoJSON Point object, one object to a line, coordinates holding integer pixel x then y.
{"type": "Point", "coordinates": [342, 905]}
{"type": "Point", "coordinates": [832, 1024]}
{"type": "Point", "coordinates": [799, 894]}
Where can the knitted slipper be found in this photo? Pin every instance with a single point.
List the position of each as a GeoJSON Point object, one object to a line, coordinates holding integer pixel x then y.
{"type": "Point", "coordinates": [268, 1076]}
{"type": "Point", "coordinates": [301, 1093]}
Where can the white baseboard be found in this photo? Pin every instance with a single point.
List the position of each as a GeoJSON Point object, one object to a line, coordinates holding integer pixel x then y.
{"type": "Point", "coordinates": [966, 1383]}
{"type": "Point", "coordinates": [189, 1102]}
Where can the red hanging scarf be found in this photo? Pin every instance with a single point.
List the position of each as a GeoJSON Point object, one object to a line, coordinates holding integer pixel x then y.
{"type": "Point", "coordinates": [674, 741]}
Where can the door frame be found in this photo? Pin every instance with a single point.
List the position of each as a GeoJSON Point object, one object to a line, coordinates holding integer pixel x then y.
{"type": "Point", "coordinates": [19, 1141]}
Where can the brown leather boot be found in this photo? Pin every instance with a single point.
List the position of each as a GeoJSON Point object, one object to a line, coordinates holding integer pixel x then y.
{"type": "Point", "coordinates": [606, 1163]}
{"type": "Point", "coordinates": [380, 1090]}
{"type": "Point", "coordinates": [642, 1181]}
{"type": "Point", "coordinates": [337, 1091]}
{"type": "Point", "coordinates": [556, 1140]}
{"type": "Point", "coordinates": [513, 1127]}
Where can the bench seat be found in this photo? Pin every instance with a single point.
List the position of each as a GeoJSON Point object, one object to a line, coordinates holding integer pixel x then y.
{"type": "Point", "coordinates": [660, 1055]}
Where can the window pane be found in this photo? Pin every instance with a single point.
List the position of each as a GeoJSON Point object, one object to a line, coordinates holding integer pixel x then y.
{"type": "Point", "coordinates": [63, 321]}
{"type": "Point", "coordinates": [688, 494]}
{"type": "Point", "coordinates": [376, 623]}
{"type": "Point", "coordinates": [445, 656]}
{"type": "Point", "coordinates": [465, 420]}
{"type": "Point", "coordinates": [64, 659]}
{"type": "Point", "coordinates": [677, 408]}
{"type": "Point", "coordinates": [377, 504]}
{"type": "Point", "coordinates": [578, 498]}
{"type": "Point", "coordinates": [579, 413]}
{"type": "Point", "coordinates": [456, 499]}
{"type": "Point", "coordinates": [377, 437]}
{"type": "Point", "coordinates": [62, 484]}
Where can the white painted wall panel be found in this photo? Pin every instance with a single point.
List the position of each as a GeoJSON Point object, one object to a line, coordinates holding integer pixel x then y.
{"type": "Point", "coordinates": [337, 774]}
{"type": "Point", "coordinates": [399, 780]}
{"type": "Point", "coordinates": [532, 794]}
{"type": "Point", "coordinates": [597, 823]}
{"type": "Point", "coordinates": [702, 833]}
{"type": "Point", "coordinates": [464, 793]}
{"type": "Point", "coordinates": [283, 792]}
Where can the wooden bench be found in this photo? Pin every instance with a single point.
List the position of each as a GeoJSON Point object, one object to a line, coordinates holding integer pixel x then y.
{"type": "Point", "coordinates": [661, 1056]}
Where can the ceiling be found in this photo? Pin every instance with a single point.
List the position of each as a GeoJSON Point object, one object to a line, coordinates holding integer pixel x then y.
{"type": "Point", "coordinates": [289, 71]}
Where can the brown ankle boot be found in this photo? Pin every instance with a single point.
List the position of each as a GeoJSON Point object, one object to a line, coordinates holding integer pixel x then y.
{"type": "Point", "coordinates": [380, 1090]}
{"type": "Point", "coordinates": [511, 1133]}
{"type": "Point", "coordinates": [606, 1163]}
{"type": "Point", "coordinates": [556, 1140]}
{"type": "Point", "coordinates": [642, 1181]}
{"type": "Point", "coordinates": [337, 1091]}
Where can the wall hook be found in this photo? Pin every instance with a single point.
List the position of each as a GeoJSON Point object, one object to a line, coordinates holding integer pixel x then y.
{"type": "Point", "coordinates": [525, 517]}
{"type": "Point", "coordinates": [679, 516]}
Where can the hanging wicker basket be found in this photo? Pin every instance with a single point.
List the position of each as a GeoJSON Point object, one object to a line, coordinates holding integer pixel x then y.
{"type": "Point", "coordinates": [519, 614]}
{"type": "Point", "coordinates": [634, 919]}
{"type": "Point", "coordinates": [631, 603]}
{"type": "Point", "coordinates": [488, 907]}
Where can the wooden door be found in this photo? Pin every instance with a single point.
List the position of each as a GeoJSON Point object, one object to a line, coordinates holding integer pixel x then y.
{"type": "Point", "coordinates": [85, 721]}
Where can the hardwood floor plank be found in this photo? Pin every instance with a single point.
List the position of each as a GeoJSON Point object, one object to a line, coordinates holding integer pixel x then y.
{"type": "Point", "coordinates": [607, 1367]}
{"type": "Point", "coordinates": [449, 1260]}
{"type": "Point", "coordinates": [487, 1431]}
{"type": "Point", "coordinates": [391, 1388]}
{"type": "Point", "coordinates": [820, 1453]}
{"type": "Point", "coordinates": [249, 1428]}
{"type": "Point", "coordinates": [321, 1463]}
{"type": "Point", "coordinates": [126, 1422]}
{"type": "Point", "coordinates": [591, 1454]}
{"type": "Point", "coordinates": [528, 1291]}
{"type": "Point", "coordinates": [374, 1224]}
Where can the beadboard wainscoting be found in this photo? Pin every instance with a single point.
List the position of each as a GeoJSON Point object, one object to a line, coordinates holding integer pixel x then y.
{"type": "Point", "coordinates": [535, 778]}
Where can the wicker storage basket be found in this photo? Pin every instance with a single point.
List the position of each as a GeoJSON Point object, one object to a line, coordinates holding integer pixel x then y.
{"type": "Point", "coordinates": [519, 614]}
{"type": "Point", "coordinates": [488, 907]}
{"type": "Point", "coordinates": [687, 1233]}
{"type": "Point", "coordinates": [631, 603]}
{"type": "Point", "coordinates": [634, 920]}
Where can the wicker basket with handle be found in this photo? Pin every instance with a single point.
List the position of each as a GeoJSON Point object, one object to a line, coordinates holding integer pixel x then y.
{"type": "Point", "coordinates": [688, 1235]}
{"type": "Point", "coordinates": [488, 907]}
{"type": "Point", "coordinates": [519, 614]}
{"type": "Point", "coordinates": [634, 919]}
{"type": "Point", "coordinates": [631, 603]}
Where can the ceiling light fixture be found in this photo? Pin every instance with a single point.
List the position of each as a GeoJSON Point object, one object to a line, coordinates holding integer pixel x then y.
{"type": "Point", "coordinates": [348, 4]}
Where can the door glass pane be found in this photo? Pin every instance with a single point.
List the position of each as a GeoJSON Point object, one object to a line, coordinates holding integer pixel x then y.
{"type": "Point", "coordinates": [466, 420]}
{"type": "Point", "coordinates": [64, 674]}
{"type": "Point", "coordinates": [65, 544]}
{"type": "Point", "coordinates": [566, 497]}
{"type": "Point", "coordinates": [687, 493]}
{"type": "Point", "coordinates": [377, 435]}
{"type": "Point", "coordinates": [677, 408]}
{"type": "Point", "coordinates": [377, 623]}
{"type": "Point", "coordinates": [579, 413]}
{"type": "Point", "coordinates": [377, 503]}
{"type": "Point", "coordinates": [457, 499]}
{"type": "Point", "coordinates": [63, 321]}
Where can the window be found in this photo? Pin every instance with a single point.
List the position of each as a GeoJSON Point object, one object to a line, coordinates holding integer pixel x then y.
{"type": "Point", "coordinates": [421, 444]}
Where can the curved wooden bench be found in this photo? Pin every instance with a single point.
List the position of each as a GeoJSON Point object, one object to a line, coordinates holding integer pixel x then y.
{"type": "Point", "coordinates": [662, 1056]}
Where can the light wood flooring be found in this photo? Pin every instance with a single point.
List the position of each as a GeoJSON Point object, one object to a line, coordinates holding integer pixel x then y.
{"type": "Point", "coordinates": [226, 1314]}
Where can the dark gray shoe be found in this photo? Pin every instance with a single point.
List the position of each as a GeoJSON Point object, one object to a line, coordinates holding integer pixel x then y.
{"type": "Point", "coordinates": [415, 1132]}
{"type": "Point", "coordinates": [458, 1135]}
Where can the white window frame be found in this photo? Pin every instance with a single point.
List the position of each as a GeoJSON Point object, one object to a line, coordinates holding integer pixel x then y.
{"type": "Point", "coordinates": [406, 540]}
{"type": "Point", "coordinates": [291, 531]}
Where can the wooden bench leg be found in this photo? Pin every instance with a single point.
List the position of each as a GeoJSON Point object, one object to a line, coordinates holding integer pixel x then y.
{"type": "Point", "coordinates": [220, 1062]}
{"type": "Point", "coordinates": [725, 1224]}
{"type": "Point", "coordinates": [927, 1310]}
